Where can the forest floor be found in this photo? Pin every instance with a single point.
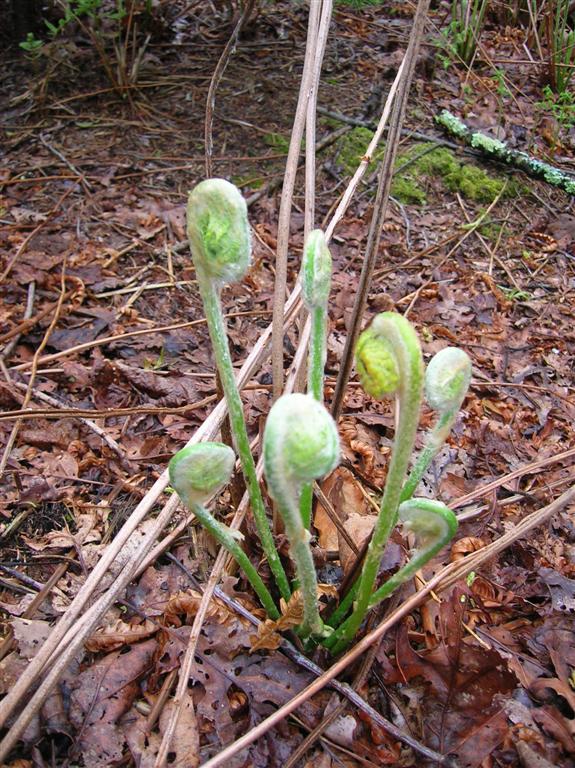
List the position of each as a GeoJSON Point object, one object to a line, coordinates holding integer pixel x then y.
{"type": "Point", "coordinates": [100, 314]}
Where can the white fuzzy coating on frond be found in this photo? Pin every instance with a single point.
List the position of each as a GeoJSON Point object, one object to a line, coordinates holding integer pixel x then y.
{"type": "Point", "coordinates": [199, 471]}
{"type": "Point", "coordinates": [447, 379]}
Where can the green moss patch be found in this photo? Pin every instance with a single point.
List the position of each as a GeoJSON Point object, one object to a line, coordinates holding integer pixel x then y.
{"type": "Point", "coordinates": [427, 160]}
{"type": "Point", "coordinates": [421, 162]}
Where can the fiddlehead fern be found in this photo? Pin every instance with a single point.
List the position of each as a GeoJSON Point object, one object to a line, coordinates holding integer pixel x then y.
{"type": "Point", "coordinates": [434, 525]}
{"type": "Point", "coordinates": [218, 232]}
{"type": "Point", "coordinates": [446, 383]}
{"type": "Point", "coordinates": [300, 444]}
{"type": "Point", "coordinates": [316, 284]}
{"type": "Point", "coordinates": [199, 472]}
{"type": "Point", "coordinates": [389, 361]}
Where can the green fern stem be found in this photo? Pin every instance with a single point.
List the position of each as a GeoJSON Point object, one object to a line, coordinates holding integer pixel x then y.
{"type": "Point", "coordinates": [224, 536]}
{"type": "Point", "coordinates": [400, 340]}
{"type": "Point", "coordinates": [432, 522]}
{"type": "Point", "coordinates": [214, 318]}
{"type": "Point", "coordinates": [300, 444]}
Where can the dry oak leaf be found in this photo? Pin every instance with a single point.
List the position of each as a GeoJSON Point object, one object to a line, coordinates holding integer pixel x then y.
{"type": "Point", "coordinates": [268, 637]}
{"type": "Point", "coordinates": [464, 547]}
{"type": "Point", "coordinates": [120, 634]}
{"type": "Point", "coordinates": [346, 497]}
{"type": "Point", "coordinates": [187, 603]}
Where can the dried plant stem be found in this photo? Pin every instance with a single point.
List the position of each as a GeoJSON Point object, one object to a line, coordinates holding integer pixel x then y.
{"type": "Point", "coordinates": [380, 205]}
{"type": "Point", "coordinates": [447, 576]}
{"type": "Point", "coordinates": [188, 660]}
{"type": "Point", "coordinates": [221, 66]}
{"type": "Point", "coordinates": [321, 34]}
{"type": "Point", "coordinates": [97, 413]}
{"type": "Point", "coordinates": [286, 201]}
{"type": "Point", "coordinates": [367, 157]}
{"type": "Point", "coordinates": [67, 639]}
{"type": "Point", "coordinates": [334, 709]}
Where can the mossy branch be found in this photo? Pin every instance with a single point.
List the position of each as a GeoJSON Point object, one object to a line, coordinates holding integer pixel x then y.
{"type": "Point", "coordinates": [499, 150]}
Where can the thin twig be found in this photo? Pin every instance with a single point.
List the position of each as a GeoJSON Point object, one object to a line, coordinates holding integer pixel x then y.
{"type": "Point", "coordinates": [188, 660]}
{"type": "Point", "coordinates": [27, 315]}
{"type": "Point", "coordinates": [130, 335]}
{"type": "Point", "coordinates": [60, 412]}
{"type": "Point", "coordinates": [37, 354]}
{"type": "Point", "coordinates": [86, 184]}
{"type": "Point", "coordinates": [221, 66]}
{"type": "Point", "coordinates": [110, 442]}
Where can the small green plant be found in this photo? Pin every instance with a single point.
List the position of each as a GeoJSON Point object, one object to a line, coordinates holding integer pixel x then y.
{"type": "Point", "coordinates": [108, 25]}
{"type": "Point", "coordinates": [514, 294]}
{"type": "Point", "coordinates": [277, 141]}
{"type": "Point", "coordinates": [560, 36]}
{"type": "Point", "coordinates": [560, 105]}
{"type": "Point", "coordinates": [461, 37]}
{"type": "Point", "coordinates": [300, 442]}
{"type": "Point", "coordinates": [32, 45]}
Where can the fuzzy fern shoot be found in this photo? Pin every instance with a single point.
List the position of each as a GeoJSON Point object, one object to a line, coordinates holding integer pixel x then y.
{"type": "Point", "coordinates": [300, 439]}
{"type": "Point", "coordinates": [301, 444]}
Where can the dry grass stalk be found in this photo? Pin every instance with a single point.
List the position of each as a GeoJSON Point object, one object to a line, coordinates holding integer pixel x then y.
{"type": "Point", "coordinates": [286, 201]}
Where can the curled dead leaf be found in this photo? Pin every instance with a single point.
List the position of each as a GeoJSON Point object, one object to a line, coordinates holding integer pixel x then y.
{"type": "Point", "coordinates": [187, 603]}
{"type": "Point", "coordinates": [465, 547]}
{"type": "Point", "coordinates": [268, 637]}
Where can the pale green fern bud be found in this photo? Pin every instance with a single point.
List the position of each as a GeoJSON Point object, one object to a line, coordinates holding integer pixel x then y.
{"type": "Point", "coordinates": [199, 471]}
{"type": "Point", "coordinates": [431, 521]}
{"type": "Point", "coordinates": [218, 231]}
{"type": "Point", "coordinates": [376, 365]}
{"type": "Point", "coordinates": [301, 442]}
{"type": "Point", "coordinates": [447, 379]}
{"type": "Point", "coordinates": [316, 271]}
